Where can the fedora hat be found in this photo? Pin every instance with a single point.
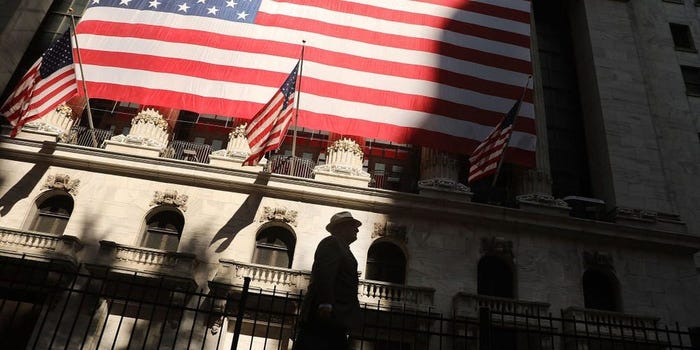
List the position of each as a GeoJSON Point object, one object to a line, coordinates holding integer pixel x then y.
{"type": "Point", "coordinates": [342, 218]}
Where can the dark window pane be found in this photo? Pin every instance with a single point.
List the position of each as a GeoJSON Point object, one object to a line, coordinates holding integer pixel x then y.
{"type": "Point", "coordinates": [163, 231]}
{"type": "Point", "coordinates": [600, 290]}
{"type": "Point", "coordinates": [386, 262]}
{"type": "Point", "coordinates": [274, 247]}
{"type": "Point", "coordinates": [682, 38]}
{"type": "Point", "coordinates": [53, 214]}
{"type": "Point", "coordinates": [495, 278]}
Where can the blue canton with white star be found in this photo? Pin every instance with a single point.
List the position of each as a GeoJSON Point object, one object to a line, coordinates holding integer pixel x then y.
{"type": "Point", "coordinates": [243, 11]}
{"type": "Point", "coordinates": [57, 56]}
{"type": "Point", "coordinates": [289, 86]}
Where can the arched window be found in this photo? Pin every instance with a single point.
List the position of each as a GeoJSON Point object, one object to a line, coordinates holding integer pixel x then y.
{"type": "Point", "coordinates": [53, 214]}
{"type": "Point", "coordinates": [274, 246]}
{"type": "Point", "coordinates": [386, 262]}
{"type": "Point", "coordinates": [600, 290]}
{"type": "Point", "coordinates": [163, 230]}
{"type": "Point", "coordinates": [495, 278]}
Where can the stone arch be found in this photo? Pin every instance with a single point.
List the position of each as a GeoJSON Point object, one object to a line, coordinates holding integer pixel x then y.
{"type": "Point", "coordinates": [601, 290]}
{"type": "Point", "coordinates": [275, 243]}
{"type": "Point", "coordinates": [51, 212]}
{"type": "Point", "coordinates": [386, 261]}
{"type": "Point", "coordinates": [496, 277]}
{"type": "Point", "coordinates": [162, 228]}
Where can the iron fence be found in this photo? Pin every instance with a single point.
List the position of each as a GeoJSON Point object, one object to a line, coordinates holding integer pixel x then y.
{"type": "Point", "coordinates": [189, 151]}
{"type": "Point", "coordinates": [54, 305]}
{"type": "Point", "coordinates": [279, 164]}
{"type": "Point", "coordinates": [80, 135]}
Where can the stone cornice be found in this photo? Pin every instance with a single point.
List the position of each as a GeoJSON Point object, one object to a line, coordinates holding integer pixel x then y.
{"type": "Point", "coordinates": [355, 198]}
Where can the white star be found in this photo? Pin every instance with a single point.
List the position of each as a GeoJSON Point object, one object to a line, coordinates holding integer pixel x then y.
{"type": "Point", "coordinates": [201, 1]}
{"type": "Point", "coordinates": [95, 1]}
{"type": "Point", "coordinates": [154, 4]}
{"type": "Point", "coordinates": [229, 3]}
{"type": "Point", "coordinates": [242, 15]}
{"type": "Point", "coordinates": [183, 7]}
{"type": "Point", "coordinates": [124, 2]}
{"type": "Point", "coordinates": [212, 11]}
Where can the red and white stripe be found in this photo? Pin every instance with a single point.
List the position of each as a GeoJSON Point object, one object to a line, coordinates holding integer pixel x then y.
{"type": "Point", "coordinates": [35, 97]}
{"type": "Point", "coordinates": [437, 73]}
{"type": "Point", "coordinates": [486, 157]}
{"type": "Point", "coordinates": [267, 129]}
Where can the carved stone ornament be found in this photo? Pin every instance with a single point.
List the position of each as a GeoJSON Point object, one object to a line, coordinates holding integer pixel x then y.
{"type": "Point", "coordinates": [444, 184]}
{"type": "Point", "coordinates": [279, 214]}
{"type": "Point", "coordinates": [170, 197]}
{"type": "Point", "coordinates": [148, 128]}
{"type": "Point", "coordinates": [237, 144]}
{"type": "Point", "coordinates": [58, 121]}
{"type": "Point", "coordinates": [542, 199]}
{"type": "Point", "coordinates": [62, 182]}
{"type": "Point", "coordinates": [497, 246]}
{"type": "Point", "coordinates": [646, 215]}
{"type": "Point", "coordinates": [597, 259]}
{"type": "Point", "coordinates": [343, 157]}
{"type": "Point", "coordinates": [390, 229]}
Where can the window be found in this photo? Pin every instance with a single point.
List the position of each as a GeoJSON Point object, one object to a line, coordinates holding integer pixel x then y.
{"type": "Point", "coordinates": [691, 77]}
{"type": "Point", "coordinates": [600, 290]}
{"type": "Point", "coordinates": [53, 214]}
{"type": "Point", "coordinates": [274, 246]}
{"type": "Point", "coordinates": [163, 230]}
{"type": "Point", "coordinates": [386, 262]}
{"type": "Point", "coordinates": [495, 278]}
{"type": "Point", "coordinates": [682, 39]}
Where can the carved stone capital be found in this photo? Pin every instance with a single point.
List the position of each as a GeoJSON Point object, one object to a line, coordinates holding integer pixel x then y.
{"type": "Point", "coordinates": [597, 260]}
{"type": "Point", "coordinates": [497, 246]}
{"type": "Point", "coordinates": [542, 199]}
{"type": "Point", "coordinates": [62, 182]}
{"type": "Point", "coordinates": [170, 197]}
{"type": "Point", "coordinates": [444, 184]}
{"type": "Point", "coordinates": [279, 214]}
{"type": "Point", "coordinates": [390, 229]}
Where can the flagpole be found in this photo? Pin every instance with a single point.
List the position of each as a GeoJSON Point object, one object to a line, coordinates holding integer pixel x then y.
{"type": "Point", "coordinates": [515, 118]}
{"type": "Point", "coordinates": [82, 76]}
{"type": "Point", "coordinates": [296, 110]}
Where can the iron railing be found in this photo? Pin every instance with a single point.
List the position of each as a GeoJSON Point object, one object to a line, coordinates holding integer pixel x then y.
{"type": "Point", "coordinates": [80, 135]}
{"type": "Point", "coordinates": [56, 306]}
{"type": "Point", "coordinates": [279, 164]}
{"type": "Point", "coordinates": [189, 151]}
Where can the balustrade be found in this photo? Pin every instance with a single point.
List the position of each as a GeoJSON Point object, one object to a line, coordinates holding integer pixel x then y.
{"type": "Point", "coordinates": [147, 261]}
{"type": "Point", "coordinates": [39, 245]}
{"type": "Point", "coordinates": [468, 305]}
{"type": "Point", "coordinates": [388, 294]}
{"type": "Point", "coordinates": [615, 324]}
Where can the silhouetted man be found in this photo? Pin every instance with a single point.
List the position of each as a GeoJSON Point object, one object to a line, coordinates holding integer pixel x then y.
{"type": "Point", "coordinates": [331, 305]}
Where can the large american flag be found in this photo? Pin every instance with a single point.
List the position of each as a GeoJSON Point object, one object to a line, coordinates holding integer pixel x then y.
{"type": "Point", "coordinates": [267, 129]}
{"type": "Point", "coordinates": [49, 82]}
{"type": "Point", "coordinates": [437, 73]}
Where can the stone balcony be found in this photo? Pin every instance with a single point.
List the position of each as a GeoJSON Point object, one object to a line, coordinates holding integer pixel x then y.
{"type": "Point", "coordinates": [609, 323]}
{"type": "Point", "coordinates": [146, 262]}
{"type": "Point", "coordinates": [384, 294]}
{"type": "Point", "coordinates": [468, 305]}
{"type": "Point", "coordinates": [284, 280]}
{"type": "Point", "coordinates": [39, 246]}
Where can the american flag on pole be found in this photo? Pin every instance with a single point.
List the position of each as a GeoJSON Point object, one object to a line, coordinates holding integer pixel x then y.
{"type": "Point", "coordinates": [486, 158]}
{"type": "Point", "coordinates": [436, 73]}
{"type": "Point", "coordinates": [49, 82]}
{"type": "Point", "coordinates": [267, 129]}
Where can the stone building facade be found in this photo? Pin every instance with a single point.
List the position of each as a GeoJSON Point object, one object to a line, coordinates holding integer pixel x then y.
{"type": "Point", "coordinates": [621, 245]}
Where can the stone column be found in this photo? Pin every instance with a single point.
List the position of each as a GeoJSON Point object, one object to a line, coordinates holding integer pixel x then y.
{"type": "Point", "coordinates": [343, 165]}
{"type": "Point", "coordinates": [439, 176]}
{"type": "Point", "coordinates": [148, 135]}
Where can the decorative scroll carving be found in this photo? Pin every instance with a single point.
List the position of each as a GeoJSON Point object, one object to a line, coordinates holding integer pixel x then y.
{"type": "Point", "coordinates": [646, 215]}
{"type": "Point", "coordinates": [279, 214]}
{"type": "Point", "coordinates": [445, 184]}
{"type": "Point", "coordinates": [170, 197]}
{"type": "Point", "coordinates": [542, 199]}
{"type": "Point", "coordinates": [62, 182]}
{"type": "Point", "coordinates": [390, 229]}
{"type": "Point", "coordinates": [597, 259]}
{"type": "Point", "coordinates": [497, 246]}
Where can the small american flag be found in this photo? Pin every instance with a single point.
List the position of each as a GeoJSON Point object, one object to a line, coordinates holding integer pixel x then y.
{"type": "Point", "coordinates": [487, 156]}
{"type": "Point", "coordinates": [269, 126]}
{"type": "Point", "coordinates": [49, 82]}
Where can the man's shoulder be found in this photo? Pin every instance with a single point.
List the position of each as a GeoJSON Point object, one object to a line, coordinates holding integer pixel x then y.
{"type": "Point", "coordinates": [329, 241]}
